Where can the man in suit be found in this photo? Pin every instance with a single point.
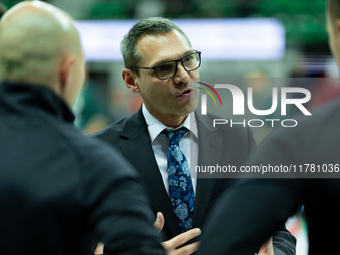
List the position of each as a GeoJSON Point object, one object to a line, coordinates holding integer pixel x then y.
{"type": "Point", "coordinates": [60, 191]}
{"type": "Point", "coordinates": [162, 67]}
{"type": "Point", "coordinates": [312, 149]}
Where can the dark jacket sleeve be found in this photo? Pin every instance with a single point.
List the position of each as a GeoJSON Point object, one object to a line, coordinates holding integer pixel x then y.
{"type": "Point", "coordinates": [284, 243]}
{"type": "Point", "coordinates": [118, 211]}
{"type": "Point", "coordinates": [251, 212]}
{"type": "Point", "coordinates": [256, 208]}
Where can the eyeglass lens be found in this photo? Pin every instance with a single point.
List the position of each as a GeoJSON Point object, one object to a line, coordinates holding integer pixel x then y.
{"type": "Point", "coordinates": [168, 69]}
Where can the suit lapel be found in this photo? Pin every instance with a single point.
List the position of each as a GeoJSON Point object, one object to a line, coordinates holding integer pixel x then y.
{"type": "Point", "coordinates": [209, 150]}
{"type": "Point", "coordinates": [136, 147]}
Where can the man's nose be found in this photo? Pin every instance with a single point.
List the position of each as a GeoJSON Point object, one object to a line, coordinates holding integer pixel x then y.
{"type": "Point", "coordinates": [182, 75]}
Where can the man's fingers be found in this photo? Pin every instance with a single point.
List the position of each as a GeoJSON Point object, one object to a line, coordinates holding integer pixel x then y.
{"type": "Point", "coordinates": [186, 236]}
{"type": "Point", "coordinates": [186, 250]}
{"type": "Point", "coordinates": [181, 239]}
{"type": "Point", "coordinates": [159, 223]}
{"type": "Point", "coordinates": [99, 249]}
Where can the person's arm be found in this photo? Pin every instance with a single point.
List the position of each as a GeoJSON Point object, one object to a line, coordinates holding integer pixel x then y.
{"type": "Point", "coordinates": [118, 211]}
{"type": "Point", "coordinates": [254, 209]}
{"type": "Point", "coordinates": [284, 242]}
{"type": "Point", "coordinates": [251, 212]}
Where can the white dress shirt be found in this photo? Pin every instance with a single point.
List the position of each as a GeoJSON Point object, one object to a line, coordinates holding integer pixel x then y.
{"type": "Point", "coordinates": [160, 144]}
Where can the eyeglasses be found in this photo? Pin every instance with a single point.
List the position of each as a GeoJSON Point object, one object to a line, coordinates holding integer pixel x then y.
{"type": "Point", "coordinates": [168, 69]}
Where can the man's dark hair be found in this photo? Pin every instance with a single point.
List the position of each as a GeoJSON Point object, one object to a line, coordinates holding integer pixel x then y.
{"type": "Point", "coordinates": [147, 26]}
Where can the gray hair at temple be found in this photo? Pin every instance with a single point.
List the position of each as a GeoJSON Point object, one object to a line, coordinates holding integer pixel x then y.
{"type": "Point", "coordinates": [147, 26]}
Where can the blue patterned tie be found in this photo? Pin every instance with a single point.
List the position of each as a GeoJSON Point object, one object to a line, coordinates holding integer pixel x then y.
{"type": "Point", "coordinates": [181, 191]}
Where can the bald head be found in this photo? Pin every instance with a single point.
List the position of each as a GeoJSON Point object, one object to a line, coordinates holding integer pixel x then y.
{"type": "Point", "coordinates": [37, 43]}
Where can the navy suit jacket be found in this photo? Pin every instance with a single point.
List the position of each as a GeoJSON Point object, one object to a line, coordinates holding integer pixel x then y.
{"type": "Point", "coordinates": [222, 144]}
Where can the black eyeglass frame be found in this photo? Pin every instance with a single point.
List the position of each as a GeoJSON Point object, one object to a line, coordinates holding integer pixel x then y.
{"type": "Point", "coordinates": [178, 60]}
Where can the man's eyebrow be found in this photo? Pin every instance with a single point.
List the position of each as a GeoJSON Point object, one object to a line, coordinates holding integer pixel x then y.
{"type": "Point", "coordinates": [164, 61]}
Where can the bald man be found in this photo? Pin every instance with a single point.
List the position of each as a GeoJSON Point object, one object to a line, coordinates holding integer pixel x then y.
{"type": "Point", "coordinates": [59, 190]}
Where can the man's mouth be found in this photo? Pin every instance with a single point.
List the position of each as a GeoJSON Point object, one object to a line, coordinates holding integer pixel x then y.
{"type": "Point", "coordinates": [187, 92]}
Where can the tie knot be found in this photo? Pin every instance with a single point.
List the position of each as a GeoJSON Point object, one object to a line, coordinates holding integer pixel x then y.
{"type": "Point", "coordinates": [176, 135]}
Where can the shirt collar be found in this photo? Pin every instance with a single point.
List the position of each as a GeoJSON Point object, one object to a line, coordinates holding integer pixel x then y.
{"type": "Point", "coordinates": [155, 127]}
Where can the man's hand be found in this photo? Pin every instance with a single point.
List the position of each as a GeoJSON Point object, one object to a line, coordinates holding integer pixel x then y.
{"type": "Point", "coordinates": [159, 223]}
{"type": "Point", "coordinates": [171, 246]}
{"type": "Point", "coordinates": [267, 248]}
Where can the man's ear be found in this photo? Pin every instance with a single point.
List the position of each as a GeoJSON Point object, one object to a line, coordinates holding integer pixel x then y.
{"type": "Point", "coordinates": [129, 78]}
{"type": "Point", "coordinates": [337, 25]}
{"type": "Point", "coordinates": [65, 72]}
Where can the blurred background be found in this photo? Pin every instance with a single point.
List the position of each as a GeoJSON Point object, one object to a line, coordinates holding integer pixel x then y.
{"type": "Point", "coordinates": [257, 39]}
{"type": "Point", "coordinates": [238, 39]}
